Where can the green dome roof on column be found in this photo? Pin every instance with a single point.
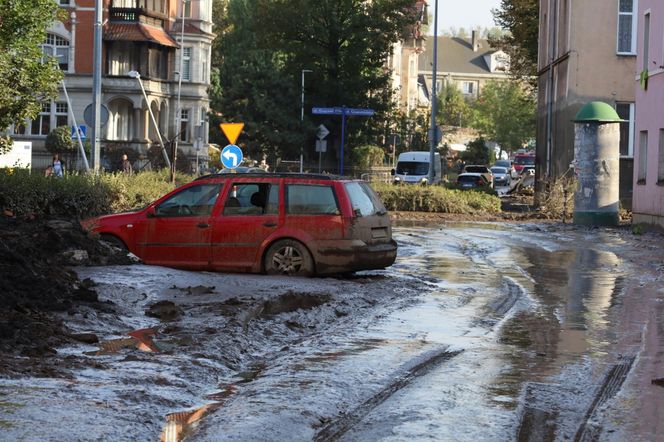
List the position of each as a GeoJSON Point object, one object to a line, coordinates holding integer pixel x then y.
{"type": "Point", "coordinates": [598, 112]}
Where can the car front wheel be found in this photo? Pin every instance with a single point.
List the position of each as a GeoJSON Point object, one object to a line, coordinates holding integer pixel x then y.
{"type": "Point", "coordinates": [288, 257]}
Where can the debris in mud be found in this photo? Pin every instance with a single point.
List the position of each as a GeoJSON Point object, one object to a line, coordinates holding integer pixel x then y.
{"type": "Point", "coordinates": [179, 422]}
{"type": "Point", "coordinates": [34, 256]}
{"type": "Point", "coordinates": [293, 301]}
{"type": "Point", "coordinates": [658, 381]}
{"type": "Point", "coordinates": [139, 339]}
{"type": "Point", "coordinates": [200, 290]}
{"type": "Point", "coordinates": [164, 310]}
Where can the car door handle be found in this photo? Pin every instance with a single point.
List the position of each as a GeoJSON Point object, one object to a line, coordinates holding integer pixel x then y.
{"type": "Point", "coordinates": [270, 224]}
{"type": "Point", "coordinates": [202, 225]}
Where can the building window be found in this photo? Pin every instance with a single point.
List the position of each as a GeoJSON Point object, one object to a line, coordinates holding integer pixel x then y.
{"type": "Point", "coordinates": [186, 64]}
{"type": "Point", "coordinates": [643, 157]}
{"type": "Point", "coordinates": [204, 65]}
{"type": "Point", "coordinates": [627, 27]}
{"type": "Point", "coordinates": [626, 112]}
{"type": "Point", "coordinates": [64, 2]}
{"type": "Point", "coordinates": [187, 8]}
{"type": "Point", "coordinates": [646, 41]}
{"type": "Point", "coordinates": [61, 117]}
{"type": "Point", "coordinates": [660, 162]}
{"type": "Point", "coordinates": [467, 87]}
{"type": "Point", "coordinates": [57, 47]}
{"type": "Point", "coordinates": [42, 124]}
{"type": "Point", "coordinates": [184, 125]}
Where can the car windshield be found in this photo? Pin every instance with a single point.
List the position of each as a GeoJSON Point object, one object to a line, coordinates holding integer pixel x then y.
{"type": "Point", "coordinates": [529, 159]}
{"type": "Point", "coordinates": [499, 170]}
{"type": "Point", "coordinates": [412, 168]}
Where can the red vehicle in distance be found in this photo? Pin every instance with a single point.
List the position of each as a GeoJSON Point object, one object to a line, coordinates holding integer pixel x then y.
{"type": "Point", "coordinates": [523, 159]}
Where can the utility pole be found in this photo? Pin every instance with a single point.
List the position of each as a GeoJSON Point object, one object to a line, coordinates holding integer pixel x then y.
{"type": "Point", "coordinates": [96, 87]}
{"type": "Point", "coordinates": [304, 71]}
{"type": "Point", "coordinates": [434, 128]}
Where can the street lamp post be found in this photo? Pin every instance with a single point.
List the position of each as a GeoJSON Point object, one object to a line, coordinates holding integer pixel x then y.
{"type": "Point", "coordinates": [178, 110]}
{"type": "Point", "coordinates": [304, 71]}
{"type": "Point", "coordinates": [137, 76]}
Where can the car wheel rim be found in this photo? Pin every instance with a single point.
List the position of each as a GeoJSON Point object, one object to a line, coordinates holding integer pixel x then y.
{"type": "Point", "coordinates": [287, 260]}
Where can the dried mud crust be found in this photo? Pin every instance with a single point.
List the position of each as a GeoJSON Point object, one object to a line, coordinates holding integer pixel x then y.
{"type": "Point", "coordinates": [37, 285]}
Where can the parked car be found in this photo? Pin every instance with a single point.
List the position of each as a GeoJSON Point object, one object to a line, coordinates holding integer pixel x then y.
{"type": "Point", "coordinates": [294, 224]}
{"type": "Point", "coordinates": [472, 180]}
{"type": "Point", "coordinates": [508, 165]}
{"type": "Point", "coordinates": [484, 170]}
{"type": "Point", "coordinates": [501, 176]}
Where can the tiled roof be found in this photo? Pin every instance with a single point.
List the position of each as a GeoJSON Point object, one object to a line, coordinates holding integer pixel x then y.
{"type": "Point", "coordinates": [137, 32]}
{"type": "Point", "coordinates": [189, 28]}
{"type": "Point", "coordinates": [456, 55]}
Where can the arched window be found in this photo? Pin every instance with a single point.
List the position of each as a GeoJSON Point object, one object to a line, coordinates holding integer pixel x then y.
{"type": "Point", "coordinates": [58, 47]}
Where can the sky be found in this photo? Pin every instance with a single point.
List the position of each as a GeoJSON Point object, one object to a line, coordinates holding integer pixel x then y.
{"type": "Point", "coordinates": [463, 13]}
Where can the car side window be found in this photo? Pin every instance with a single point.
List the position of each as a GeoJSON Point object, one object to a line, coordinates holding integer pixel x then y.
{"type": "Point", "coordinates": [363, 199]}
{"type": "Point", "coordinates": [252, 199]}
{"type": "Point", "coordinates": [303, 199]}
{"type": "Point", "coordinates": [196, 200]}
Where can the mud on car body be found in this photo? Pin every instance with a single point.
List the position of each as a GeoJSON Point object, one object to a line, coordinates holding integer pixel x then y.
{"type": "Point", "coordinates": [296, 224]}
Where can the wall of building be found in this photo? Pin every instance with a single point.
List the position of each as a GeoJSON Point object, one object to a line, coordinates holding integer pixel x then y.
{"type": "Point", "coordinates": [577, 64]}
{"type": "Point", "coordinates": [648, 204]}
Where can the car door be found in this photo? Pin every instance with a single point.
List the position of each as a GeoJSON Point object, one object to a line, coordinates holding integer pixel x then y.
{"type": "Point", "coordinates": [177, 231]}
{"type": "Point", "coordinates": [250, 214]}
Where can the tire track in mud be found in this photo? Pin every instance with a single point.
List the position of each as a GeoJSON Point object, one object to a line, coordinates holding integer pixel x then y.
{"type": "Point", "coordinates": [345, 422]}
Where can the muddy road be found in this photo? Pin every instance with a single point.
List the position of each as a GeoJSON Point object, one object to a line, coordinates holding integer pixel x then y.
{"type": "Point", "coordinates": [478, 332]}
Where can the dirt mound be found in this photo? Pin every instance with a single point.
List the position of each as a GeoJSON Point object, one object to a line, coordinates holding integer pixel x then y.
{"type": "Point", "coordinates": [37, 283]}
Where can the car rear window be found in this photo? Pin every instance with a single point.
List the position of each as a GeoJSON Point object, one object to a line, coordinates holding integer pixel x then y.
{"type": "Point", "coordinates": [363, 199]}
{"type": "Point", "coordinates": [468, 178]}
{"type": "Point", "coordinates": [309, 199]}
{"type": "Point", "coordinates": [477, 169]}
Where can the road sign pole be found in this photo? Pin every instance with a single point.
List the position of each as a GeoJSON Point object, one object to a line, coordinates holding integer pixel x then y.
{"type": "Point", "coordinates": [343, 135]}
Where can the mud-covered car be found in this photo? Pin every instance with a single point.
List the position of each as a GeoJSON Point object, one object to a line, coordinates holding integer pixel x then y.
{"type": "Point", "coordinates": [296, 224]}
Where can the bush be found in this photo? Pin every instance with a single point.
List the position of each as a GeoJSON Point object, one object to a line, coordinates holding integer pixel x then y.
{"type": "Point", "coordinates": [436, 199]}
{"type": "Point", "coordinates": [80, 196]}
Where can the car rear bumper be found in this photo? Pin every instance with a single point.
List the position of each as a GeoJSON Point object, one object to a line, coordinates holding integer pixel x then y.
{"type": "Point", "coordinates": [352, 255]}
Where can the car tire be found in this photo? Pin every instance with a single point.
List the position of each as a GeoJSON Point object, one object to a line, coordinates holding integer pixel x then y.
{"type": "Point", "coordinates": [288, 257]}
{"type": "Point", "coordinates": [114, 241]}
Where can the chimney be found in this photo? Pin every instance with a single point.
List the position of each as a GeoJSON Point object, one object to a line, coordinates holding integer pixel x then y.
{"type": "Point", "coordinates": [474, 41]}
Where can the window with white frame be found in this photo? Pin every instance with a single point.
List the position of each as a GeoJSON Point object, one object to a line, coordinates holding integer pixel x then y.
{"type": "Point", "coordinates": [468, 87]}
{"type": "Point", "coordinates": [42, 124]}
{"type": "Point", "coordinates": [186, 64]}
{"type": "Point", "coordinates": [186, 4]}
{"type": "Point", "coordinates": [660, 160]}
{"type": "Point", "coordinates": [184, 125]}
{"type": "Point", "coordinates": [643, 157]}
{"type": "Point", "coordinates": [61, 117]}
{"type": "Point", "coordinates": [58, 47]}
{"type": "Point", "coordinates": [627, 18]}
{"type": "Point", "coordinates": [64, 2]}
{"type": "Point", "coordinates": [204, 65]}
{"type": "Point", "coordinates": [626, 112]}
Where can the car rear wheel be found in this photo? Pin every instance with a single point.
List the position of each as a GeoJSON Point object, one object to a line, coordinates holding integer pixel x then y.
{"type": "Point", "coordinates": [288, 257]}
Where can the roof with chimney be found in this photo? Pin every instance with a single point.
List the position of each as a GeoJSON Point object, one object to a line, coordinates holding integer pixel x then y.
{"type": "Point", "coordinates": [456, 55]}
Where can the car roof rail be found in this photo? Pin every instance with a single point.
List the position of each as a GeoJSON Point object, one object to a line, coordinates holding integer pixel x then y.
{"type": "Point", "coordinates": [316, 176]}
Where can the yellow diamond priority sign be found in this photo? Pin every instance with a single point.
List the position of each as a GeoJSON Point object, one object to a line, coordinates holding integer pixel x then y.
{"type": "Point", "coordinates": [232, 131]}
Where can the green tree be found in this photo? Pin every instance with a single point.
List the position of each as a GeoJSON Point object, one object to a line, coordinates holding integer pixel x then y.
{"type": "Point", "coordinates": [521, 19]}
{"type": "Point", "coordinates": [59, 141]}
{"type": "Point", "coordinates": [477, 153]}
{"type": "Point", "coordinates": [26, 78]}
{"type": "Point", "coordinates": [250, 85]}
{"type": "Point", "coordinates": [345, 43]}
{"type": "Point", "coordinates": [453, 109]}
{"type": "Point", "coordinates": [505, 113]}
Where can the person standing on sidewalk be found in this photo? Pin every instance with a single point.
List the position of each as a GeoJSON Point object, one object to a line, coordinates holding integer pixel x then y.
{"type": "Point", "coordinates": [58, 170]}
{"type": "Point", "coordinates": [126, 165]}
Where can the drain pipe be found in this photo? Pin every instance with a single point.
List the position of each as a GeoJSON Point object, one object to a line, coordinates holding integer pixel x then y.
{"type": "Point", "coordinates": [553, 48]}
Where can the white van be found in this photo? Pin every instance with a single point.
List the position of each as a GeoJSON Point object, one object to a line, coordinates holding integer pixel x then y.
{"type": "Point", "coordinates": [413, 168]}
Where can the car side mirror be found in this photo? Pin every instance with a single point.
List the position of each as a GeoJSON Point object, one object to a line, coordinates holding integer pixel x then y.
{"type": "Point", "coordinates": [392, 172]}
{"type": "Point", "coordinates": [151, 212]}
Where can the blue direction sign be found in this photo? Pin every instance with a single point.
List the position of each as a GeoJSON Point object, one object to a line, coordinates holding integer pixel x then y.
{"type": "Point", "coordinates": [82, 130]}
{"type": "Point", "coordinates": [341, 111]}
{"type": "Point", "coordinates": [231, 156]}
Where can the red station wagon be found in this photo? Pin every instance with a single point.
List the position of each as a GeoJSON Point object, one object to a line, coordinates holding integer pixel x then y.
{"type": "Point", "coordinates": [295, 224]}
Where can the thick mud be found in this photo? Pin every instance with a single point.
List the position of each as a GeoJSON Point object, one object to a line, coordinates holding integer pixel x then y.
{"type": "Point", "coordinates": [480, 331]}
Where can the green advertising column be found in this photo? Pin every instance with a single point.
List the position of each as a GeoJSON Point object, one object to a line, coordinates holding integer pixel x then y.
{"type": "Point", "coordinates": [596, 157]}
